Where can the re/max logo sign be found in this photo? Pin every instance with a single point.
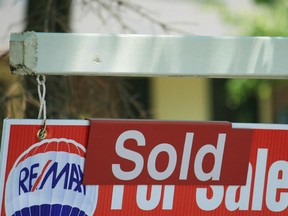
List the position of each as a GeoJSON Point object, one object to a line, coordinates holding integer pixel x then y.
{"type": "Point", "coordinates": [51, 174]}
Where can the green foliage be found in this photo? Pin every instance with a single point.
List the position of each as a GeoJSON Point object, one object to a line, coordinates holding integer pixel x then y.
{"type": "Point", "coordinates": [268, 20]}
{"type": "Point", "coordinates": [264, 1]}
{"type": "Point", "coordinates": [265, 18]}
{"type": "Point", "coordinates": [240, 90]}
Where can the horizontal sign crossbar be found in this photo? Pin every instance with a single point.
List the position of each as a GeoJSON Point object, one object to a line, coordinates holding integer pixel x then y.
{"type": "Point", "coordinates": [147, 55]}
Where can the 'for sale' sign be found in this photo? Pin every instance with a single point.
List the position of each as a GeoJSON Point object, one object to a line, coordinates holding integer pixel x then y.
{"type": "Point", "coordinates": [46, 177]}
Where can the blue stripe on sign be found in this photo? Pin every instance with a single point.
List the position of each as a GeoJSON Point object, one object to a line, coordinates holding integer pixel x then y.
{"type": "Point", "coordinates": [50, 210]}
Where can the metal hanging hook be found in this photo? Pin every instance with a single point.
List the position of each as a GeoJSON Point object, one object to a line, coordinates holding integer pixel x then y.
{"type": "Point", "coordinates": [42, 132]}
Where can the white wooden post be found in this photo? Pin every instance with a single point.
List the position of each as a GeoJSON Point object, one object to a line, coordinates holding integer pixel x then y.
{"type": "Point", "coordinates": [147, 55]}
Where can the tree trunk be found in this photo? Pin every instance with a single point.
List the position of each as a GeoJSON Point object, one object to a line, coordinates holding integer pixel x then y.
{"type": "Point", "coordinates": [74, 97]}
{"type": "Point", "coordinates": [48, 16]}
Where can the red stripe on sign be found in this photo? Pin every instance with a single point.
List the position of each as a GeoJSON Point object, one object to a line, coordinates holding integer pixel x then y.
{"type": "Point", "coordinates": [40, 176]}
{"type": "Point", "coordinates": [54, 147]}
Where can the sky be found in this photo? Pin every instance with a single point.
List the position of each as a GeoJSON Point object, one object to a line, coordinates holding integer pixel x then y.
{"type": "Point", "coordinates": [11, 20]}
{"type": "Point", "coordinates": [187, 15]}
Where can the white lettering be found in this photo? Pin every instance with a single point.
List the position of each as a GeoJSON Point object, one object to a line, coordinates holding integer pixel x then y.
{"type": "Point", "coordinates": [186, 156]}
{"type": "Point", "coordinates": [277, 179]}
{"type": "Point", "coordinates": [168, 197]}
{"type": "Point", "coordinates": [141, 197]}
{"type": "Point", "coordinates": [117, 197]}
{"type": "Point", "coordinates": [209, 204]}
{"type": "Point", "coordinates": [259, 179]}
{"type": "Point", "coordinates": [129, 155]}
{"type": "Point", "coordinates": [218, 155]}
{"type": "Point", "coordinates": [239, 197]}
{"type": "Point", "coordinates": [155, 196]}
{"type": "Point", "coordinates": [153, 172]}
{"type": "Point", "coordinates": [244, 196]}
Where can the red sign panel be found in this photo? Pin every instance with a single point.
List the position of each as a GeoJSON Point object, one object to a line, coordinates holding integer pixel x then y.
{"type": "Point", "coordinates": [166, 152]}
{"type": "Point", "coordinates": [44, 178]}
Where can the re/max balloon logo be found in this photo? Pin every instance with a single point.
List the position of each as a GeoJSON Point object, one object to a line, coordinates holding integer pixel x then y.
{"type": "Point", "coordinates": [46, 179]}
{"type": "Point", "coordinates": [52, 174]}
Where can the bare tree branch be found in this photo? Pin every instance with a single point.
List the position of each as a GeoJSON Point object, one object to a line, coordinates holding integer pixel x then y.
{"type": "Point", "coordinates": [117, 8]}
{"type": "Point", "coordinates": [74, 96]}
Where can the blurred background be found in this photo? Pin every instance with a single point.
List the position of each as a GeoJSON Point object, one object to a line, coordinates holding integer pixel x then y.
{"type": "Point", "coordinates": [236, 100]}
